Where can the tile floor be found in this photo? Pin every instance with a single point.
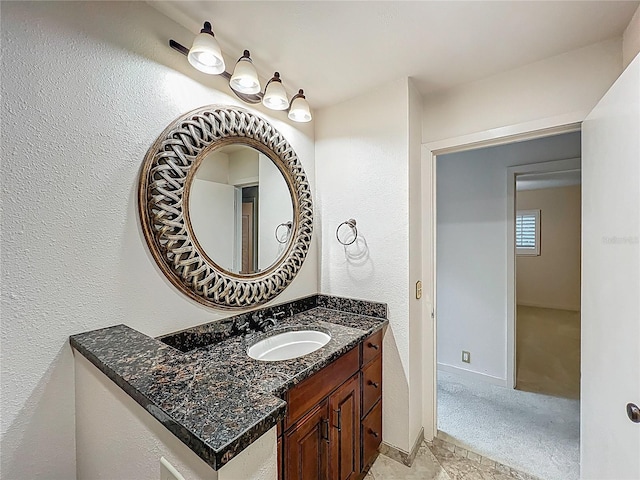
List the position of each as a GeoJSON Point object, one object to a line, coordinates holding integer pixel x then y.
{"type": "Point", "coordinates": [440, 460]}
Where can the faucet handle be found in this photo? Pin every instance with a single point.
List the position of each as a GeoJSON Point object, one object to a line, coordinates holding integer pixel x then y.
{"type": "Point", "coordinates": [244, 327]}
{"type": "Point", "coordinates": [257, 319]}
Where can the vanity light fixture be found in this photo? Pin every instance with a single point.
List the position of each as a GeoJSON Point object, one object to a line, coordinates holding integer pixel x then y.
{"type": "Point", "coordinates": [245, 77]}
{"type": "Point", "coordinates": [299, 109]}
{"type": "Point", "coordinates": [275, 96]}
{"type": "Point", "coordinates": [205, 53]}
{"type": "Point", "coordinates": [206, 56]}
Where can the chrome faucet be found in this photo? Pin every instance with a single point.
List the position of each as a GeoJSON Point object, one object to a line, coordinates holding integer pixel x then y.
{"type": "Point", "coordinates": [272, 321]}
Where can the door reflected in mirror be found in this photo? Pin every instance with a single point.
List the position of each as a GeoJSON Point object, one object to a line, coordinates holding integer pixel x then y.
{"type": "Point", "coordinates": [240, 209]}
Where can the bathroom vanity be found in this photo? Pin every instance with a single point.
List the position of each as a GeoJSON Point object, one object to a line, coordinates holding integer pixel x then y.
{"type": "Point", "coordinates": [227, 213]}
{"type": "Point", "coordinates": [202, 385]}
{"type": "Point", "coordinates": [333, 425]}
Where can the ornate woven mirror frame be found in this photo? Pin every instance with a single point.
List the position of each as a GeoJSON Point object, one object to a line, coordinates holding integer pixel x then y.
{"type": "Point", "coordinates": [163, 194]}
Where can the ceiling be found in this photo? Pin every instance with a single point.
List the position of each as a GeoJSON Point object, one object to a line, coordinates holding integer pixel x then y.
{"type": "Point", "coordinates": [336, 49]}
{"type": "Point", "coordinates": [537, 181]}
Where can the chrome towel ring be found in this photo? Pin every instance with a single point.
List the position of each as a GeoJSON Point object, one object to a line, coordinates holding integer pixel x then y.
{"type": "Point", "coordinates": [351, 223]}
{"type": "Point", "coordinates": [287, 234]}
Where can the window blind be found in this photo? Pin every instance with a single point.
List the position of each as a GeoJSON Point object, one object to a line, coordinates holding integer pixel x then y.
{"type": "Point", "coordinates": [526, 227]}
{"type": "Point", "coordinates": [527, 232]}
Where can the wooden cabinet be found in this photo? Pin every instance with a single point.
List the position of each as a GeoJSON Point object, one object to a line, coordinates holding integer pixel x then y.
{"type": "Point", "coordinates": [371, 435]}
{"type": "Point", "coordinates": [371, 347]}
{"type": "Point", "coordinates": [371, 388]}
{"type": "Point", "coordinates": [344, 437]}
{"type": "Point", "coordinates": [333, 426]}
{"type": "Point", "coordinates": [371, 384]}
{"type": "Point", "coordinates": [305, 446]}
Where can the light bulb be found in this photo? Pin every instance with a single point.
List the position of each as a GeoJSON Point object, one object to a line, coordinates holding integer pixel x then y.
{"type": "Point", "coordinates": [275, 96]}
{"type": "Point", "coordinates": [205, 54]}
{"type": "Point", "coordinates": [299, 110]}
{"type": "Point", "coordinates": [245, 77]}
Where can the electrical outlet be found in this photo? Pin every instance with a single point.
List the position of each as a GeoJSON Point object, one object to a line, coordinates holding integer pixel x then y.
{"type": "Point", "coordinates": [168, 471]}
{"type": "Point", "coordinates": [466, 357]}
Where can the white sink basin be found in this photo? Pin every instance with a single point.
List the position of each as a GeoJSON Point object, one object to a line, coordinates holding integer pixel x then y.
{"type": "Point", "coordinates": [287, 345]}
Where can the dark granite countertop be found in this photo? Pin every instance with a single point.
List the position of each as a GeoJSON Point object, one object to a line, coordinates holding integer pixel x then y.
{"type": "Point", "coordinates": [215, 398]}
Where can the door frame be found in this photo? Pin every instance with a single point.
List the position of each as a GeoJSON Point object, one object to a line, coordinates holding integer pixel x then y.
{"type": "Point", "coordinates": [546, 127]}
{"type": "Point", "coordinates": [512, 173]}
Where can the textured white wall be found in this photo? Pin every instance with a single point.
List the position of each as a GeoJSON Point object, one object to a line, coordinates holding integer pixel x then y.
{"type": "Point", "coordinates": [472, 249]}
{"type": "Point", "coordinates": [86, 89]}
{"type": "Point", "coordinates": [102, 406]}
{"type": "Point", "coordinates": [362, 169]}
{"type": "Point", "coordinates": [567, 83]}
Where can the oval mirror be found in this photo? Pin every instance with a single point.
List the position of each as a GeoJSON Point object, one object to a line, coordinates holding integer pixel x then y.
{"type": "Point", "coordinates": [225, 207]}
{"type": "Point", "coordinates": [240, 209]}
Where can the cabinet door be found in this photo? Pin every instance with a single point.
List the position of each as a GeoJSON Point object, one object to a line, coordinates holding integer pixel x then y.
{"type": "Point", "coordinates": [344, 455]}
{"type": "Point", "coordinates": [306, 445]}
{"type": "Point", "coordinates": [279, 451]}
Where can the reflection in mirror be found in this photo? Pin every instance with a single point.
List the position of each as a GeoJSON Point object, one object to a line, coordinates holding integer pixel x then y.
{"type": "Point", "coordinates": [237, 201]}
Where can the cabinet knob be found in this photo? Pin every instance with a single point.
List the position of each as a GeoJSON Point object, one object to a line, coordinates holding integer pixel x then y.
{"type": "Point", "coordinates": [633, 412]}
{"type": "Point", "coordinates": [373, 345]}
{"type": "Point", "coordinates": [373, 432]}
{"type": "Point", "coordinates": [373, 384]}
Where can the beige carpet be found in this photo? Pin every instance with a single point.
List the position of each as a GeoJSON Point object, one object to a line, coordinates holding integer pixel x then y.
{"type": "Point", "coordinates": [548, 351]}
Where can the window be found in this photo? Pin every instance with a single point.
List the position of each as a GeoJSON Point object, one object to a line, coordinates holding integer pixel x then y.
{"type": "Point", "coordinates": [528, 232]}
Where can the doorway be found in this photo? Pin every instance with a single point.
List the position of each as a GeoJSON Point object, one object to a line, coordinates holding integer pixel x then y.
{"type": "Point", "coordinates": [478, 407]}
{"type": "Point", "coordinates": [547, 249]}
{"type": "Point", "coordinates": [249, 230]}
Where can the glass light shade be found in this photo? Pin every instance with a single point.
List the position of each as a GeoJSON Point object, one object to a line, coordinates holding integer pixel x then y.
{"type": "Point", "coordinates": [205, 54]}
{"type": "Point", "coordinates": [275, 96]}
{"type": "Point", "coordinates": [299, 110]}
{"type": "Point", "coordinates": [245, 77]}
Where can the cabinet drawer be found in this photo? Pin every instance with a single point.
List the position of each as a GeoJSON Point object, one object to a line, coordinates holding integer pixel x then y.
{"type": "Point", "coordinates": [309, 392]}
{"type": "Point", "coordinates": [371, 384]}
{"type": "Point", "coordinates": [371, 435]}
{"type": "Point", "coordinates": [371, 347]}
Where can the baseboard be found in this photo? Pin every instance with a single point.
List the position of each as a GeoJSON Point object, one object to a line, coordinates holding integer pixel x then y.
{"type": "Point", "coordinates": [400, 455]}
{"type": "Point", "coordinates": [463, 372]}
{"type": "Point", "coordinates": [551, 307]}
